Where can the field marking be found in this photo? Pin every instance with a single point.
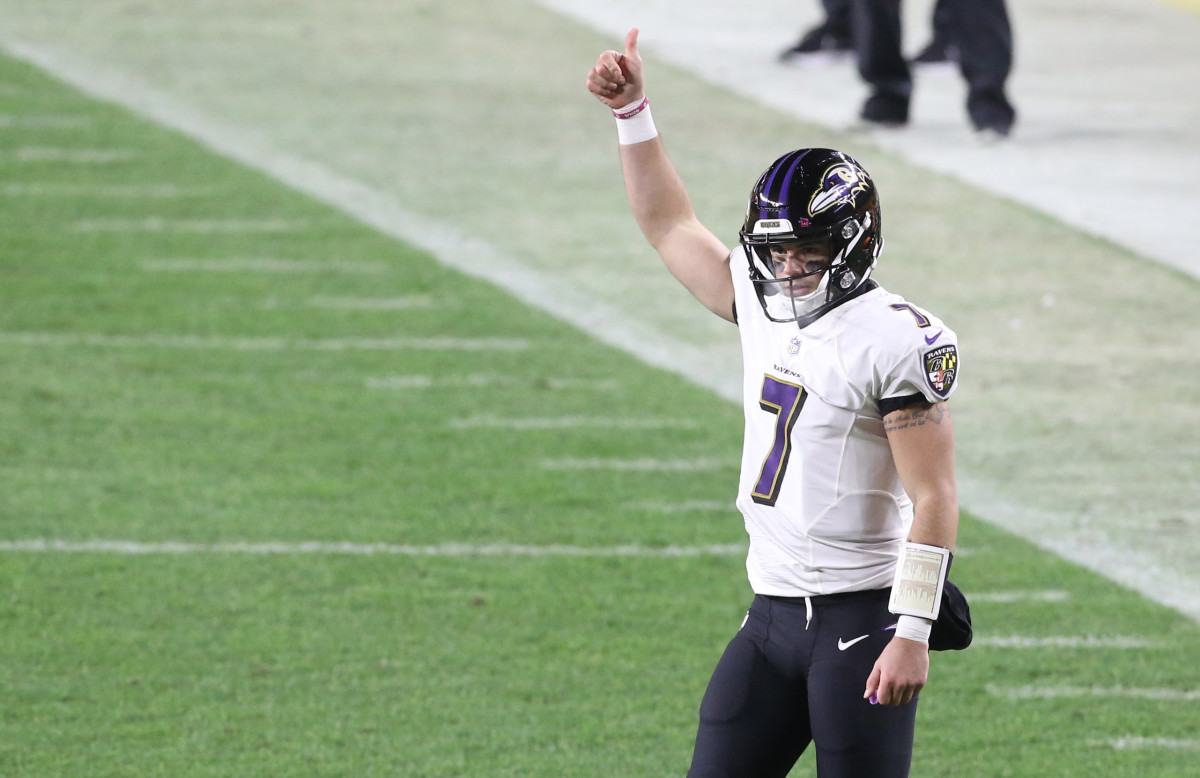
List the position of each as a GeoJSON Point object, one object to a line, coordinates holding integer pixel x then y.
{"type": "Point", "coordinates": [422, 301]}
{"type": "Point", "coordinates": [567, 422]}
{"type": "Point", "coordinates": [135, 548]}
{"type": "Point", "coordinates": [486, 380]}
{"type": "Point", "coordinates": [648, 465]}
{"type": "Point", "coordinates": [73, 156]}
{"type": "Point", "coordinates": [688, 506]}
{"type": "Point", "coordinates": [262, 343]}
{"type": "Point", "coordinates": [260, 265]}
{"type": "Point", "coordinates": [1058, 692]}
{"type": "Point", "coordinates": [1068, 641]}
{"type": "Point", "coordinates": [1130, 742]}
{"type": "Point", "coordinates": [200, 226]}
{"type": "Point", "coordinates": [1050, 595]}
{"type": "Point", "coordinates": [150, 191]}
{"type": "Point", "coordinates": [43, 121]}
{"type": "Point", "coordinates": [607, 323]}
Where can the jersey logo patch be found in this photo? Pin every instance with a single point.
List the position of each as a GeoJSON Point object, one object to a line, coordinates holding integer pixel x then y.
{"type": "Point", "coordinates": [941, 369]}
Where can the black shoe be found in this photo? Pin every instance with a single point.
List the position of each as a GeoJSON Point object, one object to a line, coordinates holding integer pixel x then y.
{"type": "Point", "coordinates": [818, 40]}
{"type": "Point", "coordinates": [936, 52]}
{"type": "Point", "coordinates": [992, 115]}
{"type": "Point", "coordinates": [885, 109]}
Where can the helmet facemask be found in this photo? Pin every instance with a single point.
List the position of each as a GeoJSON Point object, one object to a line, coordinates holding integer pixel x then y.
{"type": "Point", "coordinates": [787, 289]}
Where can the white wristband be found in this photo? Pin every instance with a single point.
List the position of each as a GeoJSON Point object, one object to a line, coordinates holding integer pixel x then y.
{"type": "Point", "coordinates": [914, 628]}
{"type": "Point", "coordinates": [634, 123]}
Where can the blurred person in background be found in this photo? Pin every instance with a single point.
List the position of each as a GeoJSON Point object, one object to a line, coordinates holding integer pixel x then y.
{"type": "Point", "coordinates": [976, 34]}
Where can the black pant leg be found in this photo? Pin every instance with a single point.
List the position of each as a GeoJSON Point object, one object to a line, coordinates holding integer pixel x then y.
{"type": "Point", "coordinates": [754, 716]}
{"type": "Point", "coordinates": [943, 21]}
{"type": "Point", "coordinates": [853, 738]}
{"type": "Point", "coordinates": [985, 44]}
{"type": "Point", "coordinates": [839, 18]}
{"type": "Point", "coordinates": [881, 62]}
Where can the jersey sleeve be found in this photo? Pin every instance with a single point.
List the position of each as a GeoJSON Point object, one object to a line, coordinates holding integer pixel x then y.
{"type": "Point", "coordinates": [927, 368]}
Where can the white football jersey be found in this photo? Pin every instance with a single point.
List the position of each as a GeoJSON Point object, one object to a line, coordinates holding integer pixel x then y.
{"type": "Point", "coordinates": [822, 501]}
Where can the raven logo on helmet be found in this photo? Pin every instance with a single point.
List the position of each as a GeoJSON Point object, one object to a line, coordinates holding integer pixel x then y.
{"type": "Point", "coordinates": [839, 186]}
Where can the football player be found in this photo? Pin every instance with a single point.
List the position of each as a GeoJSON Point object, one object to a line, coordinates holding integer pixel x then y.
{"type": "Point", "coordinates": [847, 483]}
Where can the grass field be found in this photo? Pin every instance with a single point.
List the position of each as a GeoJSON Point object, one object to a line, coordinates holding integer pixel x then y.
{"type": "Point", "coordinates": [194, 354]}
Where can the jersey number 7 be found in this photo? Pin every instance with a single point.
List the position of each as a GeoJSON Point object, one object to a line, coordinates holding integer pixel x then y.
{"type": "Point", "coordinates": [785, 401]}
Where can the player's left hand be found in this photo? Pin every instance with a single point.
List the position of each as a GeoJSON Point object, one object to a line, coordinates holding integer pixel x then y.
{"type": "Point", "coordinates": [900, 672]}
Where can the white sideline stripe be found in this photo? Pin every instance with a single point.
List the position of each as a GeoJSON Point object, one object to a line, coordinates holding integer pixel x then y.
{"type": "Point", "coordinates": [450, 246]}
{"type": "Point", "coordinates": [1132, 741]}
{"type": "Point", "coordinates": [202, 226]}
{"type": "Point", "coordinates": [1056, 692]}
{"type": "Point", "coordinates": [482, 380]}
{"type": "Point", "coordinates": [72, 155]}
{"type": "Point", "coordinates": [1067, 641]}
{"type": "Point", "coordinates": [373, 303]}
{"type": "Point", "coordinates": [263, 344]}
{"type": "Point", "coordinates": [259, 265]}
{"type": "Point", "coordinates": [133, 548]}
{"type": "Point", "coordinates": [105, 190]}
{"type": "Point", "coordinates": [43, 121]}
{"type": "Point", "coordinates": [1050, 595]}
{"type": "Point", "coordinates": [567, 422]}
{"type": "Point", "coordinates": [658, 465]}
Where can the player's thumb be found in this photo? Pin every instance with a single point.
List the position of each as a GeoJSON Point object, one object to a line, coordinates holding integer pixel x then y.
{"type": "Point", "coordinates": [631, 44]}
{"type": "Point", "coordinates": [872, 683]}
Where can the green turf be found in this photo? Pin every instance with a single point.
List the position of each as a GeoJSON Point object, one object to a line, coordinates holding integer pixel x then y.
{"type": "Point", "coordinates": [331, 665]}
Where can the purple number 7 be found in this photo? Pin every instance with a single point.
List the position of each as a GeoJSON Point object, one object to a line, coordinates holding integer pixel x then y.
{"type": "Point", "coordinates": [785, 401]}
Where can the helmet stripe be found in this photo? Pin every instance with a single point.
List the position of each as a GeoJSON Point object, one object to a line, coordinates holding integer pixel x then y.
{"type": "Point", "coordinates": [779, 194]}
{"type": "Point", "coordinates": [791, 173]}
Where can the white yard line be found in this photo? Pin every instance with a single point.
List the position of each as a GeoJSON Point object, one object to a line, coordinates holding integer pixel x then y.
{"type": "Point", "coordinates": [259, 265]}
{"type": "Point", "coordinates": [484, 380]}
{"type": "Point", "coordinates": [1067, 641]}
{"type": "Point", "coordinates": [200, 226]}
{"type": "Point", "coordinates": [567, 422]}
{"type": "Point", "coordinates": [1134, 742]}
{"type": "Point", "coordinates": [149, 191]}
{"type": "Point", "coordinates": [1058, 692]}
{"type": "Point", "coordinates": [1050, 595]}
{"type": "Point", "coordinates": [43, 121]}
{"type": "Point", "coordinates": [423, 302]}
{"type": "Point", "coordinates": [133, 548]}
{"type": "Point", "coordinates": [640, 465]}
{"type": "Point", "coordinates": [262, 343]}
{"type": "Point", "coordinates": [73, 156]}
{"type": "Point", "coordinates": [688, 506]}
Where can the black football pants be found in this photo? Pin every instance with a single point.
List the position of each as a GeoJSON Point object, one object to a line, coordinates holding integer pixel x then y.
{"type": "Point", "coordinates": [793, 675]}
{"type": "Point", "coordinates": [980, 29]}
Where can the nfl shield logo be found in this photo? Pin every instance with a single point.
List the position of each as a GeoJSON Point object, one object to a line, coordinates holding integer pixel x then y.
{"type": "Point", "coordinates": [941, 368]}
{"type": "Point", "coordinates": [794, 347]}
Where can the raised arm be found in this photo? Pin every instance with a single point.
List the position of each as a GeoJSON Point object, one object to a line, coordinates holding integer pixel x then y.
{"type": "Point", "coordinates": [660, 203]}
